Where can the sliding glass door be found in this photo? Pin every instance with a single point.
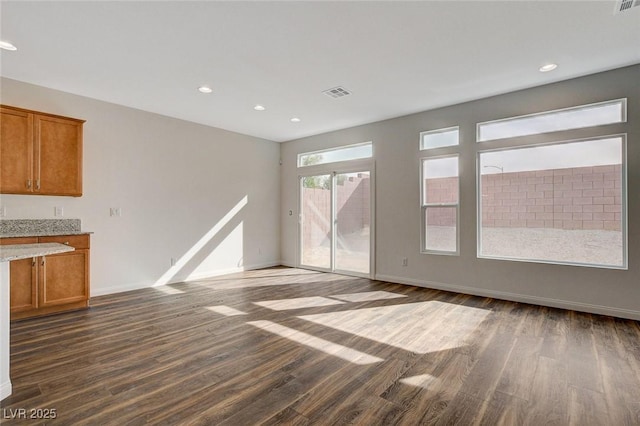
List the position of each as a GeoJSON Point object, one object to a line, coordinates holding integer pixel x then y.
{"type": "Point", "coordinates": [352, 222]}
{"type": "Point", "coordinates": [335, 222]}
{"type": "Point", "coordinates": [316, 235]}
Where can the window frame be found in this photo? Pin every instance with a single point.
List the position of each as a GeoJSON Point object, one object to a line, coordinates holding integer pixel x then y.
{"type": "Point", "coordinates": [425, 206]}
{"type": "Point", "coordinates": [623, 207]}
{"type": "Point", "coordinates": [436, 131]}
{"type": "Point", "coordinates": [621, 101]}
{"type": "Point", "coordinates": [337, 148]}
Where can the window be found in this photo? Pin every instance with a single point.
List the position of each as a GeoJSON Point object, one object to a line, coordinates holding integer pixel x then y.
{"type": "Point", "coordinates": [439, 138]}
{"type": "Point", "coordinates": [439, 186]}
{"type": "Point", "coordinates": [553, 121]}
{"type": "Point", "coordinates": [555, 203]}
{"type": "Point", "coordinates": [440, 194]}
{"type": "Point", "coordinates": [345, 153]}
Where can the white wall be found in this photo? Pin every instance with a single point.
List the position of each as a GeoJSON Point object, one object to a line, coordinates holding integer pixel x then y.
{"type": "Point", "coordinates": [396, 155]}
{"type": "Point", "coordinates": [175, 182]}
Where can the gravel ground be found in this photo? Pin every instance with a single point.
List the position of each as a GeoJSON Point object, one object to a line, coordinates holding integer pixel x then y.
{"type": "Point", "coordinates": [345, 260]}
{"type": "Point", "coordinates": [580, 246]}
{"type": "Point", "coordinates": [352, 253]}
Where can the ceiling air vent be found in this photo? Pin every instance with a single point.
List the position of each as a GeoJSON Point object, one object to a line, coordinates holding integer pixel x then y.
{"type": "Point", "coordinates": [337, 92]}
{"type": "Point", "coordinates": [624, 5]}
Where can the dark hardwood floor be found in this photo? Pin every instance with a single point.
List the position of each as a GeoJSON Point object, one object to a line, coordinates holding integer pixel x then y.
{"type": "Point", "coordinates": [286, 346]}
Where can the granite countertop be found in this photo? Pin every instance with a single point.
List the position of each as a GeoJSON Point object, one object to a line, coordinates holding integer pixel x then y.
{"type": "Point", "coordinates": [24, 251]}
{"type": "Point", "coordinates": [11, 228]}
{"type": "Point", "coordinates": [43, 233]}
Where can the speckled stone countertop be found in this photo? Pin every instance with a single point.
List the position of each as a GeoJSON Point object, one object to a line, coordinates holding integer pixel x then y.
{"type": "Point", "coordinates": [24, 251]}
{"type": "Point", "coordinates": [39, 227]}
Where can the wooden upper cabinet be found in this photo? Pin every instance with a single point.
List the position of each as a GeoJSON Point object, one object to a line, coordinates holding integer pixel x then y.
{"type": "Point", "coordinates": [16, 151]}
{"type": "Point", "coordinates": [59, 154]}
{"type": "Point", "coordinates": [41, 154]}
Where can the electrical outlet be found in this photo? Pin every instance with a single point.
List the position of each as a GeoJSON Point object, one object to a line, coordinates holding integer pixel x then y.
{"type": "Point", "coordinates": [174, 261]}
{"type": "Point", "coordinates": [58, 211]}
{"type": "Point", "coordinates": [115, 212]}
{"type": "Point", "coordinates": [3, 211]}
{"type": "Point", "coordinates": [405, 261]}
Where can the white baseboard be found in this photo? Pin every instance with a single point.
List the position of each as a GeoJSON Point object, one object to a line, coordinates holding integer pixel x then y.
{"type": "Point", "coordinates": [515, 297]}
{"type": "Point", "coordinates": [288, 264]}
{"type": "Point", "coordinates": [5, 389]}
{"type": "Point", "coordinates": [147, 284]}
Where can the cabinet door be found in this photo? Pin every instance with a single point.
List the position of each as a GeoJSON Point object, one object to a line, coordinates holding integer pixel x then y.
{"type": "Point", "coordinates": [16, 151]}
{"type": "Point", "coordinates": [58, 156]}
{"type": "Point", "coordinates": [64, 278]}
{"type": "Point", "coordinates": [23, 274]}
{"type": "Point", "coordinates": [24, 289]}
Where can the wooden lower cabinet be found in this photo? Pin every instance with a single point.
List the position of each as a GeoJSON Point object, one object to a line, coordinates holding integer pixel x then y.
{"type": "Point", "coordinates": [63, 278]}
{"type": "Point", "coordinates": [23, 278]}
{"type": "Point", "coordinates": [50, 284]}
{"type": "Point", "coordinates": [24, 294]}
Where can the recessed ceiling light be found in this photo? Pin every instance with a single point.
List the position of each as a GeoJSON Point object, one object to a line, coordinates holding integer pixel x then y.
{"type": "Point", "coordinates": [295, 120]}
{"type": "Point", "coordinates": [7, 46]}
{"type": "Point", "coordinates": [259, 108]}
{"type": "Point", "coordinates": [548, 67]}
{"type": "Point", "coordinates": [205, 89]}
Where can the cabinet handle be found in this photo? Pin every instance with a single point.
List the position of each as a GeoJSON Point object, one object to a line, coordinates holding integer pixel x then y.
{"type": "Point", "coordinates": [28, 183]}
{"type": "Point", "coordinates": [38, 184]}
{"type": "Point", "coordinates": [66, 243]}
{"type": "Point", "coordinates": [33, 262]}
{"type": "Point", "coordinates": [42, 261]}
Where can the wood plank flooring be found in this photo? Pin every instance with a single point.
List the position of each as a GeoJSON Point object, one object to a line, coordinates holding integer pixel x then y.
{"type": "Point", "coordinates": [287, 346]}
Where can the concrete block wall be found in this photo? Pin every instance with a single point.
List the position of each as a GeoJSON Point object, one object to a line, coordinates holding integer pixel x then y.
{"type": "Point", "coordinates": [441, 190]}
{"type": "Point", "coordinates": [569, 198]}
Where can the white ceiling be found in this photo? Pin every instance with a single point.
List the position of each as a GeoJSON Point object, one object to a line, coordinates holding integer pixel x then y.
{"type": "Point", "coordinates": [396, 57]}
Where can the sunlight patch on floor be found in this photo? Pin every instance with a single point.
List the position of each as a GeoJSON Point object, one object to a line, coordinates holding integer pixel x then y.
{"type": "Point", "coordinates": [168, 289]}
{"type": "Point", "coordinates": [278, 272]}
{"type": "Point", "coordinates": [238, 283]}
{"type": "Point", "coordinates": [298, 303]}
{"type": "Point", "coordinates": [413, 326]}
{"type": "Point", "coordinates": [342, 352]}
{"type": "Point", "coordinates": [367, 296]}
{"type": "Point", "coordinates": [226, 310]}
{"type": "Point", "coordinates": [421, 380]}
{"type": "Point", "coordinates": [259, 279]}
